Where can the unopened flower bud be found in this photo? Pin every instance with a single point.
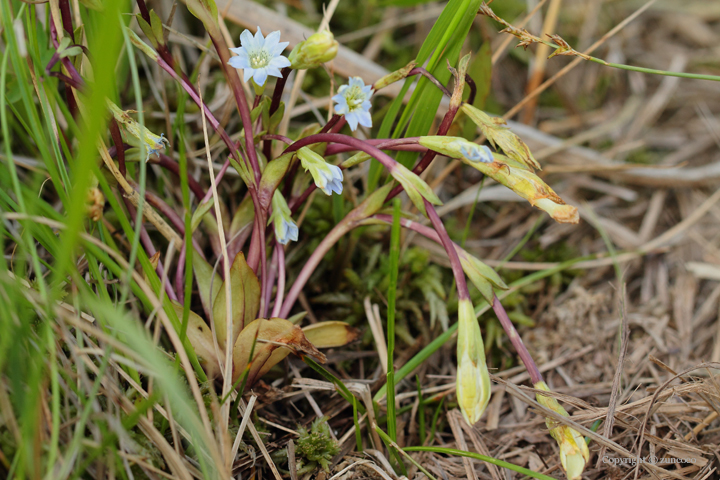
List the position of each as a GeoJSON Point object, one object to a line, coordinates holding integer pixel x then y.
{"type": "Point", "coordinates": [458, 147]}
{"type": "Point", "coordinates": [95, 204]}
{"type": "Point", "coordinates": [285, 228]}
{"type": "Point", "coordinates": [483, 277]}
{"type": "Point", "coordinates": [473, 379]}
{"type": "Point", "coordinates": [514, 174]}
{"type": "Point", "coordinates": [152, 143]}
{"type": "Point", "coordinates": [319, 48]}
{"type": "Point", "coordinates": [395, 76]}
{"type": "Point", "coordinates": [415, 187]}
{"type": "Point", "coordinates": [574, 453]}
{"type": "Point", "coordinates": [327, 177]}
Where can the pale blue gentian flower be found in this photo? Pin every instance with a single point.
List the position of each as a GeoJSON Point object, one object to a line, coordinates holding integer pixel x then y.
{"type": "Point", "coordinates": [477, 153]}
{"type": "Point", "coordinates": [327, 177]}
{"type": "Point", "coordinates": [259, 56]}
{"type": "Point", "coordinates": [353, 101]}
{"type": "Point", "coordinates": [154, 144]}
{"type": "Point", "coordinates": [285, 228]}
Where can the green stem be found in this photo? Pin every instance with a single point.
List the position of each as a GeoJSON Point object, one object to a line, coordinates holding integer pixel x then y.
{"type": "Point", "coordinates": [696, 76]}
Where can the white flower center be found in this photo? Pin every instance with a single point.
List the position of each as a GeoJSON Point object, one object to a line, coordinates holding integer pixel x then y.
{"type": "Point", "coordinates": [355, 97]}
{"type": "Point", "coordinates": [259, 59]}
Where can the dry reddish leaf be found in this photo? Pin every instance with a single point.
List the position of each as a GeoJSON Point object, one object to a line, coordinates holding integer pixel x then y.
{"type": "Point", "coordinates": [274, 339]}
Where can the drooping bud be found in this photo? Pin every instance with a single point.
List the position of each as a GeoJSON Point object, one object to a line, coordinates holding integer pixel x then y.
{"type": "Point", "coordinates": [574, 453]}
{"type": "Point", "coordinates": [512, 173]}
{"type": "Point", "coordinates": [482, 276]}
{"type": "Point", "coordinates": [327, 177]}
{"type": "Point", "coordinates": [415, 187]}
{"type": "Point", "coordinates": [319, 48]}
{"type": "Point", "coordinates": [152, 143]}
{"type": "Point", "coordinates": [285, 228]}
{"type": "Point", "coordinates": [458, 147]}
{"type": "Point", "coordinates": [473, 379]}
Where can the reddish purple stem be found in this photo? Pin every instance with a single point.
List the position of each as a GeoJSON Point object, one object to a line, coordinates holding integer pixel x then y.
{"type": "Point", "coordinates": [535, 375]}
{"type": "Point", "coordinates": [510, 330]}
{"type": "Point", "coordinates": [280, 251]}
{"type": "Point", "coordinates": [463, 293]}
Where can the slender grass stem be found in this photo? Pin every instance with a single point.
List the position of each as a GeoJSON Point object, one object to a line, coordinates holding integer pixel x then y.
{"type": "Point", "coordinates": [397, 451]}
{"type": "Point", "coordinates": [391, 297]}
{"type": "Point", "coordinates": [125, 291]}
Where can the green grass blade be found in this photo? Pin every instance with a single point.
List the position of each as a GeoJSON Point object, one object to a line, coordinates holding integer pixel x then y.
{"type": "Point", "coordinates": [391, 297]}
{"type": "Point", "coordinates": [457, 15]}
{"type": "Point", "coordinates": [477, 456]}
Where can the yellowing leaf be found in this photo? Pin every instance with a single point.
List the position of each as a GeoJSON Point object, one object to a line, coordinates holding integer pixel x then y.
{"type": "Point", "coordinates": [245, 288]}
{"type": "Point", "coordinates": [330, 334]}
{"type": "Point", "coordinates": [200, 336]}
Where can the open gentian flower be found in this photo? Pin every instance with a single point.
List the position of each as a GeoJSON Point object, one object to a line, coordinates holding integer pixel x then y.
{"type": "Point", "coordinates": [259, 56]}
{"type": "Point", "coordinates": [328, 177]}
{"type": "Point", "coordinates": [285, 228]}
{"type": "Point", "coordinates": [154, 144]}
{"type": "Point", "coordinates": [353, 101]}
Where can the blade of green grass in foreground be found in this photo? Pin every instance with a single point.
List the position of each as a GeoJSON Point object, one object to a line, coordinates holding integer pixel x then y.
{"type": "Point", "coordinates": [477, 456]}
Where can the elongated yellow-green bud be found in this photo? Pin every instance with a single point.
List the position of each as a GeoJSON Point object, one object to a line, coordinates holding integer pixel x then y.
{"type": "Point", "coordinates": [574, 453]}
{"type": "Point", "coordinates": [514, 174]}
{"type": "Point", "coordinates": [319, 48]}
{"type": "Point", "coordinates": [498, 134]}
{"type": "Point", "coordinates": [473, 379]}
{"type": "Point", "coordinates": [458, 147]}
{"type": "Point", "coordinates": [395, 76]}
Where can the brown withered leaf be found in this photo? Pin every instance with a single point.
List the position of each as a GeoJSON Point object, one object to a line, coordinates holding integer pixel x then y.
{"type": "Point", "coordinates": [245, 288]}
{"type": "Point", "coordinates": [200, 336]}
{"type": "Point", "coordinates": [274, 339]}
{"type": "Point", "coordinates": [330, 334]}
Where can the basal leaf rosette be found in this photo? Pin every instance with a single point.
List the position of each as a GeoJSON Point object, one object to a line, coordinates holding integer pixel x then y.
{"type": "Point", "coordinates": [515, 175]}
